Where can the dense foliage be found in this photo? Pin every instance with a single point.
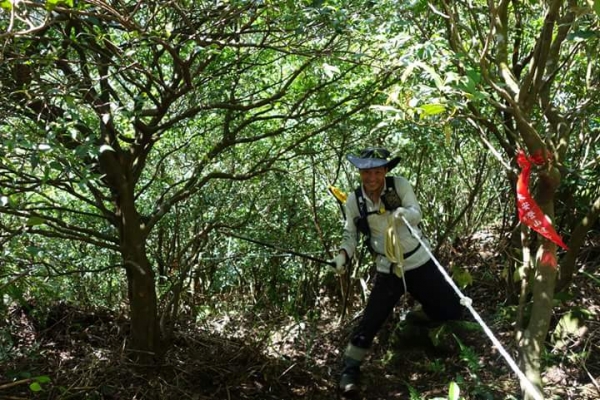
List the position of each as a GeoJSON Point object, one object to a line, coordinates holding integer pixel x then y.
{"type": "Point", "coordinates": [139, 141]}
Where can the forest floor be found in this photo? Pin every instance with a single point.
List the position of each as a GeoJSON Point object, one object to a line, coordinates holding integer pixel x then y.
{"type": "Point", "coordinates": [255, 356]}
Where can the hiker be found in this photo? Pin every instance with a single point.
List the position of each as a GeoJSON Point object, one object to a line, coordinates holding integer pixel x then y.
{"type": "Point", "coordinates": [376, 209]}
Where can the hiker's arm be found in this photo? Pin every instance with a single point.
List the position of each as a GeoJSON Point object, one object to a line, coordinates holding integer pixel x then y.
{"type": "Point", "coordinates": [350, 235]}
{"type": "Point", "coordinates": [409, 201]}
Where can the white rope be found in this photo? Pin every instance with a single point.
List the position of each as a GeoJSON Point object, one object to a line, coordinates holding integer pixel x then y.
{"type": "Point", "coordinates": [467, 302]}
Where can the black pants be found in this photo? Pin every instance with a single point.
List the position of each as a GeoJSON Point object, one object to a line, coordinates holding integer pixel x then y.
{"type": "Point", "coordinates": [426, 284]}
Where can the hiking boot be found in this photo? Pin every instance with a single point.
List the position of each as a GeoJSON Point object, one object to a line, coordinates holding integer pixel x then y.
{"type": "Point", "coordinates": [353, 356]}
{"type": "Point", "coordinates": [349, 381]}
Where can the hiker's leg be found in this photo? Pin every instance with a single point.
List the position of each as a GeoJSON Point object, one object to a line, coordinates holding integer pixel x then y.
{"type": "Point", "coordinates": [428, 286]}
{"type": "Point", "coordinates": [386, 292]}
{"type": "Point", "coordinates": [387, 289]}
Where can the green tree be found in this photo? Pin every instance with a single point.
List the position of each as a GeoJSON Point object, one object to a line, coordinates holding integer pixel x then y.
{"type": "Point", "coordinates": [517, 76]}
{"type": "Point", "coordinates": [120, 115]}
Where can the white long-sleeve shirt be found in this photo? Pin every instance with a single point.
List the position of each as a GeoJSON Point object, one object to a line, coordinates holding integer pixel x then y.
{"type": "Point", "coordinates": [379, 222]}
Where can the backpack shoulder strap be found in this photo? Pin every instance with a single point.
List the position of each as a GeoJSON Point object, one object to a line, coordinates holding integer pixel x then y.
{"type": "Point", "coordinates": [362, 222]}
{"type": "Point", "coordinates": [360, 201]}
{"type": "Point", "coordinates": [390, 183]}
{"type": "Point", "coordinates": [390, 198]}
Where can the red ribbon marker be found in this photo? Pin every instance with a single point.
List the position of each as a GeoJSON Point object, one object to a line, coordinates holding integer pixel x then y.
{"type": "Point", "coordinates": [530, 213]}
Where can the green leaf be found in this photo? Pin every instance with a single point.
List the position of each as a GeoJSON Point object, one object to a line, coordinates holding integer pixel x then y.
{"type": "Point", "coordinates": [437, 335]}
{"type": "Point", "coordinates": [453, 391]}
{"type": "Point", "coordinates": [520, 273]}
{"type": "Point", "coordinates": [462, 277]}
{"type": "Point", "coordinates": [407, 72]}
{"type": "Point", "coordinates": [6, 4]}
{"type": "Point", "coordinates": [33, 221]}
{"type": "Point", "coordinates": [569, 324]}
{"type": "Point", "coordinates": [35, 387]}
{"type": "Point", "coordinates": [432, 109]}
{"type": "Point", "coordinates": [582, 35]}
{"type": "Point", "coordinates": [43, 379]}
{"type": "Point", "coordinates": [592, 277]}
{"type": "Point", "coordinates": [16, 293]}
{"type": "Point", "coordinates": [33, 250]}
{"type": "Point", "coordinates": [330, 70]}
{"type": "Point", "coordinates": [568, 327]}
{"type": "Point", "coordinates": [34, 160]}
{"type": "Point", "coordinates": [432, 74]}
{"type": "Point", "coordinates": [52, 4]}
{"type": "Point", "coordinates": [13, 202]}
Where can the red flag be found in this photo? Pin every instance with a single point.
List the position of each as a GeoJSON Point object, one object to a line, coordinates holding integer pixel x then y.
{"type": "Point", "coordinates": [530, 213]}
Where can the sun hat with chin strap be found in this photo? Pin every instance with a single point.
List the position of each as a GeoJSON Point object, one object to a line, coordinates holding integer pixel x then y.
{"type": "Point", "coordinates": [373, 157]}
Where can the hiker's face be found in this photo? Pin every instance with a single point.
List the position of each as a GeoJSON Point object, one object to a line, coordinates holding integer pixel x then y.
{"type": "Point", "coordinates": [373, 179]}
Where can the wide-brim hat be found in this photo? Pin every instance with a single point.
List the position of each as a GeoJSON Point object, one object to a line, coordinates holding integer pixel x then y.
{"type": "Point", "coordinates": [373, 157]}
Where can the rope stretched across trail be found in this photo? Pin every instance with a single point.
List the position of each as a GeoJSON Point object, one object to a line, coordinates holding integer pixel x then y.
{"type": "Point", "coordinates": [467, 302]}
{"type": "Point", "coordinates": [464, 300]}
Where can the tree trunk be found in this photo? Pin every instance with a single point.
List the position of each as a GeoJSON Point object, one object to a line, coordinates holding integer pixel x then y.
{"type": "Point", "coordinates": [568, 263]}
{"type": "Point", "coordinates": [145, 333]}
{"type": "Point", "coordinates": [145, 337]}
{"type": "Point", "coordinates": [531, 344]}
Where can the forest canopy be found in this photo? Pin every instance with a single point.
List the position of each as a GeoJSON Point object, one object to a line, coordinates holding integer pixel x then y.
{"type": "Point", "coordinates": [141, 142]}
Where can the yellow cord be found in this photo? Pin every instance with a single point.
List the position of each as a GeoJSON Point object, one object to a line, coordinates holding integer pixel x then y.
{"type": "Point", "coordinates": [393, 248]}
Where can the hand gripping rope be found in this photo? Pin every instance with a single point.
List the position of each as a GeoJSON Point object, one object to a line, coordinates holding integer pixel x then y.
{"type": "Point", "coordinates": [394, 251]}
{"type": "Point", "coordinates": [467, 302]}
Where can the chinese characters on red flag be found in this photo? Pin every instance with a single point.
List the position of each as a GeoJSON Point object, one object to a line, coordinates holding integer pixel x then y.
{"type": "Point", "coordinates": [530, 213]}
